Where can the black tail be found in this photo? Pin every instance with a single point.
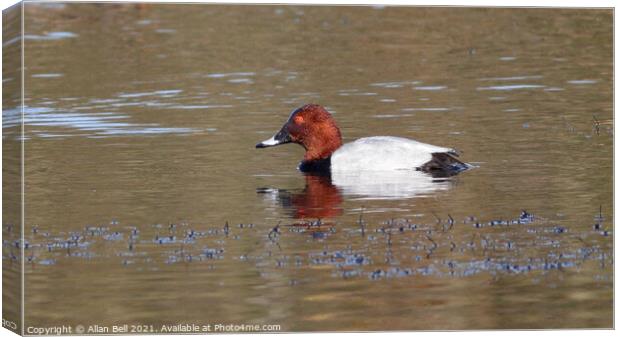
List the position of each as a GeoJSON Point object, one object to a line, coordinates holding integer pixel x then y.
{"type": "Point", "coordinates": [444, 164]}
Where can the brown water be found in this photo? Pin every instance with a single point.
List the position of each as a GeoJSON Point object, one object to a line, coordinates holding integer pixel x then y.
{"type": "Point", "coordinates": [141, 122]}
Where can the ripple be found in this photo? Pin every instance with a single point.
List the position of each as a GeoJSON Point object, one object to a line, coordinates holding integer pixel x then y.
{"type": "Point", "coordinates": [105, 100]}
{"type": "Point", "coordinates": [241, 80]}
{"type": "Point", "coordinates": [426, 109]}
{"type": "Point", "coordinates": [582, 82]}
{"type": "Point", "coordinates": [431, 88]}
{"type": "Point", "coordinates": [511, 78]}
{"type": "Point", "coordinates": [50, 75]}
{"type": "Point", "coordinates": [341, 93]}
{"type": "Point", "coordinates": [223, 75]}
{"type": "Point", "coordinates": [98, 124]}
{"type": "Point", "coordinates": [207, 106]}
{"type": "Point", "coordinates": [392, 116]}
{"type": "Point", "coordinates": [166, 93]}
{"type": "Point", "coordinates": [512, 87]}
{"type": "Point", "coordinates": [47, 36]}
{"type": "Point", "coordinates": [394, 84]}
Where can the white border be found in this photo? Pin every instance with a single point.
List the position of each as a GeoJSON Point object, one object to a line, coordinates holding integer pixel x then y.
{"type": "Point", "coordinates": [475, 3]}
{"type": "Point", "coordinates": [472, 3]}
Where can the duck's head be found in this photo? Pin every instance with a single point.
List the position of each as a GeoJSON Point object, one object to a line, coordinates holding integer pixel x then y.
{"type": "Point", "coordinates": [312, 127]}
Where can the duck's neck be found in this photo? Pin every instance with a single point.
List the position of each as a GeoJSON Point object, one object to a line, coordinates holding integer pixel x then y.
{"type": "Point", "coordinates": [320, 167]}
{"type": "Point", "coordinates": [319, 148]}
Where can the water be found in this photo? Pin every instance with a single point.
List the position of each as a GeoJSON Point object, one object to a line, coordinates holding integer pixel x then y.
{"type": "Point", "coordinates": [147, 203]}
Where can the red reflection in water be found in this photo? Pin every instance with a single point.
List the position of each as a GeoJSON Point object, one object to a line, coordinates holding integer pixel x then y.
{"type": "Point", "coordinates": [319, 199]}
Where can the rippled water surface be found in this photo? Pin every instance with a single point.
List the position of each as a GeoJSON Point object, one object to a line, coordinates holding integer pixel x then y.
{"type": "Point", "coordinates": [147, 203]}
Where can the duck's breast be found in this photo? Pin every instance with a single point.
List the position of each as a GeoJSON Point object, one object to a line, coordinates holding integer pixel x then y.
{"type": "Point", "coordinates": [383, 153]}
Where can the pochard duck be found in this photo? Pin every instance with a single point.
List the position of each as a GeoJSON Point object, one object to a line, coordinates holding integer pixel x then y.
{"type": "Point", "coordinates": [312, 127]}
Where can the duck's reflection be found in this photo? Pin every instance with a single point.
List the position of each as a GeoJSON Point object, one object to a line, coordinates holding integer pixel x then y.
{"type": "Point", "coordinates": [319, 199]}
{"type": "Point", "coordinates": [323, 195]}
{"type": "Point", "coordinates": [398, 184]}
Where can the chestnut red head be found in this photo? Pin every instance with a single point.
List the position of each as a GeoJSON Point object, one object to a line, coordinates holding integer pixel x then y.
{"type": "Point", "coordinates": [312, 127]}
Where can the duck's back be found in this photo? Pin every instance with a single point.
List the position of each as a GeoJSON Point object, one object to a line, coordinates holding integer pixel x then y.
{"type": "Point", "coordinates": [384, 153]}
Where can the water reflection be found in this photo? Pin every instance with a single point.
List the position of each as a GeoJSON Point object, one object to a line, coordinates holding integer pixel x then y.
{"type": "Point", "coordinates": [322, 195]}
{"type": "Point", "coordinates": [398, 184]}
{"type": "Point", "coordinates": [319, 199]}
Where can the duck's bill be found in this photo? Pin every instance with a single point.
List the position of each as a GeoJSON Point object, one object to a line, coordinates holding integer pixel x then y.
{"type": "Point", "coordinates": [279, 138]}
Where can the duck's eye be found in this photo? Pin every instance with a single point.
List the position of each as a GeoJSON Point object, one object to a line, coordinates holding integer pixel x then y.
{"type": "Point", "coordinates": [298, 120]}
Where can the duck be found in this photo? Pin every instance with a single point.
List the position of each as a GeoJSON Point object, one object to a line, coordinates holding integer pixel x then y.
{"type": "Point", "coordinates": [315, 129]}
